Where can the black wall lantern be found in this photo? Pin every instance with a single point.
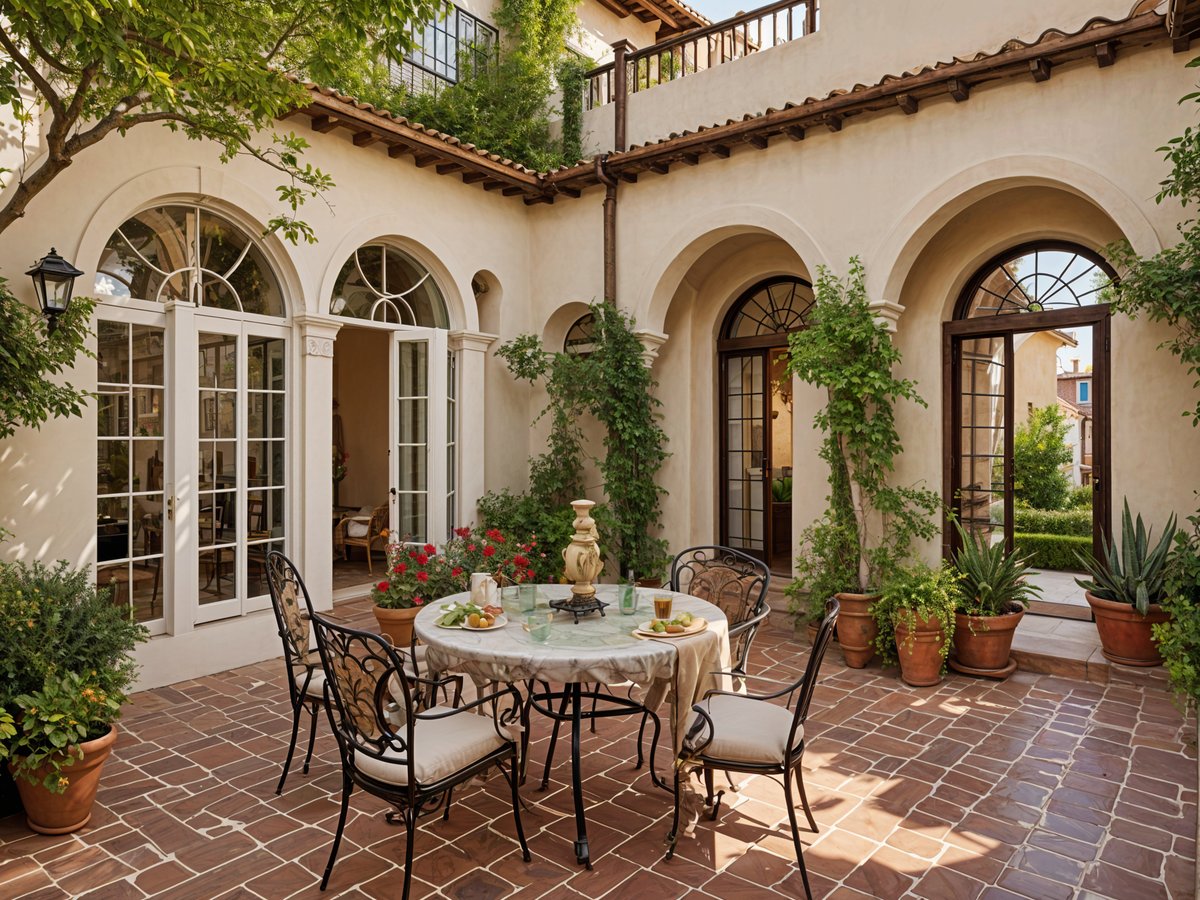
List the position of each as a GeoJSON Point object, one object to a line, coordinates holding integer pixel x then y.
{"type": "Point", "coordinates": [53, 279]}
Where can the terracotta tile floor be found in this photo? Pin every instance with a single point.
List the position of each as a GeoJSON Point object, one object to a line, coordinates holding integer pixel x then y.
{"type": "Point", "coordinates": [1039, 787]}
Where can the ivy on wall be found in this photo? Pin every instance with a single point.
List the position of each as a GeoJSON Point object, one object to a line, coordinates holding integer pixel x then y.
{"type": "Point", "coordinates": [505, 107]}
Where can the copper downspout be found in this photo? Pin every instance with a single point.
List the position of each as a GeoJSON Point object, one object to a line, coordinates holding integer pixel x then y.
{"type": "Point", "coordinates": [610, 227]}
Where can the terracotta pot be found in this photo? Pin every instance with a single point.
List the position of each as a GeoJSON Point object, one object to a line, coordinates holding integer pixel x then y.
{"type": "Point", "coordinates": [920, 650]}
{"type": "Point", "coordinates": [1125, 636]}
{"type": "Point", "coordinates": [397, 624]}
{"type": "Point", "coordinates": [984, 642]}
{"type": "Point", "coordinates": [856, 628]}
{"type": "Point", "coordinates": [48, 813]}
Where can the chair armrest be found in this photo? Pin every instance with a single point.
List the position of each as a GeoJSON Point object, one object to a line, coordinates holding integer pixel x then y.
{"type": "Point", "coordinates": [788, 688]}
{"type": "Point", "coordinates": [505, 722]}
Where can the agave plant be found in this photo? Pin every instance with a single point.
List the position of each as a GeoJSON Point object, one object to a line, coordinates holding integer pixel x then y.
{"type": "Point", "coordinates": [993, 580]}
{"type": "Point", "coordinates": [1137, 574]}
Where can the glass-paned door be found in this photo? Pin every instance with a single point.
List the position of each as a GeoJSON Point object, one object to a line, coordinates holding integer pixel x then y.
{"type": "Point", "coordinates": [984, 372]}
{"type": "Point", "coordinates": [130, 466]}
{"type": "Point", "coordinates": [745, 469]}
{"type": "Point", "coordinates": [241, 458]}
{"type": "Point", "coordinates": [421, 443]}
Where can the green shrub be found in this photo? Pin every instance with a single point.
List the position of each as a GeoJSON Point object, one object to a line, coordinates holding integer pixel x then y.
{"type": "Point", "coordinates": [1047, 521]}
{"type": "Point", "coordinates": [1179, 638]}
{"type": "Point", "coordinates": [1052, 551]}
{"type": "Point", "coordinates": [1080, 497]}
{"type": "Point", "coordinates": [1039, 453]}
{"type": "Point", "coordinates": [524, 518]}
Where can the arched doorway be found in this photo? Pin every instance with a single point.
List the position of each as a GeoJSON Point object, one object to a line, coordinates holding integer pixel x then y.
{"type": "Point", "coordinates": [1027, 408]}
{"type": "Point", "coordinates": [756, 418]}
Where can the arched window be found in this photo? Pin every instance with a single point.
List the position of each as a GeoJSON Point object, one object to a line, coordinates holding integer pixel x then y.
{"type": "Point", "coordinates": [189, 254]}
{"type": "Point", "coordinates": [581, 337]}
{"type": "Point", "coordinates": [775, 306]}
{"type": "Point", "coordinates": [1041, 277]}
{"type": "Point", "coordinates": [384, 284]}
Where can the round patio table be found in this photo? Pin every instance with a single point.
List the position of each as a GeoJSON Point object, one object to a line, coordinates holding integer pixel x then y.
{"type": "Point", "coordinates": [597, 649]}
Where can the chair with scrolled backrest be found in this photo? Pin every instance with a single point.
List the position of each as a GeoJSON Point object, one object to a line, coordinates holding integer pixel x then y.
{"type": "Point", "coordinates": [392, 748]}
{"type": "Point", "coordinates": [731, 580]}
{"type": "Point", "coordinates": [372, 536]}
{"type": "Point", "coordinates": [306, 681]}
{"type": "Point", "coordinates": [748, 733]}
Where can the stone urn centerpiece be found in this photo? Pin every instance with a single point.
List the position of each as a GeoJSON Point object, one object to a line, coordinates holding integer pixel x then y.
{"type": "Point", "coordinates": [582, 564]}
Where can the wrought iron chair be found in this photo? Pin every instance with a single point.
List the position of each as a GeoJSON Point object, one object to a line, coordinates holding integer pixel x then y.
{"type": "Point", "coordinates": [411, 757]}
{"type": "Point", "coordinates": [371, 536]}
{"type": "Point", "coordinates": [748, 733]}
{"type": "Point", "coordinates": [733, 581]}
{"type": "Point", "coordinates": [306, 680]}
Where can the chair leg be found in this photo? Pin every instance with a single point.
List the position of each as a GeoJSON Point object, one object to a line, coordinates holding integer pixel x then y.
{"type": "Point", "coordinates": [641, 734]}
{"type": "Point", "coordinates": [791, 805]}
{"type": "Point", "coordinates": [812, 823]}
{"type": "Point", "coordinates": [516, 803]}
{"type": "Point", "coordinates": [347, 787]}
{"type": "Point", "coordinates": [673, 836]}
{"type": "Point", "coordinates": [291, 746]}
{"type": "Point", "coordinates": [312, 735]}
{"type": "Point", "coordinates": [449, 800]}
{"type": "Point", "coordinates": [410, 823]}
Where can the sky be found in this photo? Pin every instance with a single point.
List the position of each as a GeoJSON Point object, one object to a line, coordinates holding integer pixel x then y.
{"type": "Point", "coordinates": [716, 10]}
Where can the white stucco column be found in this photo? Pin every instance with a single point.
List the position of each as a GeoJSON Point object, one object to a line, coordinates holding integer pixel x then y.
{"type": "Point", "coordinates": [651, 342]}
{"type": "Point", "coordinates": [472, 348]}
{"type": "Point", "coordinates": [887, 312]}
{"type": "Point", "coordinates": [312, 499]}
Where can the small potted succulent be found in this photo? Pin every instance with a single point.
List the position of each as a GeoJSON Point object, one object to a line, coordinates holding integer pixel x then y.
{"type": "Point", "coordinates": [63, 678]}
{"type": "Point", "coordinates": [993, 594]}
{"type": "Point", "coordinates": [1126, 589]}
{"type": "Point", "coordinates": [915, 616]}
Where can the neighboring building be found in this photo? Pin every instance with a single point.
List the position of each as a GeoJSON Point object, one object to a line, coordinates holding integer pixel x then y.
{"type": "Point", "coordinates": [221, 353]}
{"type": "Point", "coordinates": [1075, 389]}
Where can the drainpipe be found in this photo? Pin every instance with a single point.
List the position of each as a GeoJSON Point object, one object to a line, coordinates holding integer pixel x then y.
{"type": "Point", "coordinates": [610, 227]}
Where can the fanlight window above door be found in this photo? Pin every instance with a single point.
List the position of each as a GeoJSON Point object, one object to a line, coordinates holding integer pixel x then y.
{"type": "Point", "coordinates": [1041, 277]}
{"type": "Point", "coordinates": [774, 306]}
{"type": "Point", "coordinates": [188, 254]}
{"type": "Point", "coordinates": [384, 284]}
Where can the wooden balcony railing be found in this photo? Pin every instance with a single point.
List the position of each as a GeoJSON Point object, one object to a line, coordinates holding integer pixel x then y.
{"type": "Point", "coordinates": [704, 48]}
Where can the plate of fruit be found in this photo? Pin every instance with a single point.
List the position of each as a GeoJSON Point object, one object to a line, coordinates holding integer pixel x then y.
{"type": "Point", "coordinates": [470, 617]}
{"type": "Point", "coordinates": [681, 625]}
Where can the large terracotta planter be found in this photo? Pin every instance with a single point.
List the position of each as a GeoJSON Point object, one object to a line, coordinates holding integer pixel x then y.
{"type": "Point", "coordinates": [983, 644]}
{"type": "Point", "coordinates": [920, 650]}
{"type": "Point", "coordinates": [48, 813]}
{"type": "Point", "coordinates": [1125, 636]}
{"type": "Point", "coordinates": [397, 624]}
{"type": "Point", "coordinates": [856, 628]}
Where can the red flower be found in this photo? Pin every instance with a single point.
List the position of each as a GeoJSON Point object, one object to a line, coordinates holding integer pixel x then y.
{"type": "Point", "coordinates": [429, 548]}
{"type": "Point", "coordinates": [494, 534]}
{"type": "Point", "coordinates": [529, 574]}
{"type": "Point", "coordinates": [489, 550]}
{"type": "Point", "coordinates": [520, 562]}
{"type": "Point", "coordinates": [417, 601]}
{"type": "Point", "coordinates": [462, 532]}
{"type": "Point", "coordinates": [422, 576]}
{"type": "Point", "coordinates": [412, 554]}
{"type": "Point", "coordinates": [456, 571]}
{"type": "Point", "coordinates": [471, 547]}
{"type": "Point", "coordinates": [382, 587]}
{"type": "Point", "coordinates": [401, 568]}
{"type": "Point", "coordinates": [422, 559]}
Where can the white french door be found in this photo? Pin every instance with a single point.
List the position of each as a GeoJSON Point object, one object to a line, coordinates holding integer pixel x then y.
{"type": "Point", "coordinates": [422, 470]}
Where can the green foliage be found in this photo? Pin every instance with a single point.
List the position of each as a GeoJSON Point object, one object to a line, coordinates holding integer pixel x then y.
{"type": "Point", "coordinates": [1058, 552]}
{"type": "Point", "coordinates": [1137, 574]}
{"type": "Point", "coordinates": [781, 490]}
{"type": "Point", "coordinates": [66, 651]}
{"type": "Point", "coordinates": [526, 515]}
{"type": "Point", "coordinates": [826, 564]}
{"type": "Point", "coordinates": [1179, 637]}
{"type": "Point", "coordinates": [992, 580]}
{"type": "Point", "coordinates": [1039, 453]}
{"type": "Point", "coordinates": [218, 71]}
{"type": "Point", "coordinates": [913, 591]}
{"type": "Point", "coordinates": [30, 355]}
{"type": "Point", "coordinates": [1080, 497]}
{"type": "Point", "coordinates": [850, 354]}
{"type": "Point", "coordinates": [504, 103]}
{"type": "Point", "coordinates": [1052, 521]}
{"type": "Point", "coordinates": [1166, 287]}
{"type": "Point", "coordinates": [613, 385]}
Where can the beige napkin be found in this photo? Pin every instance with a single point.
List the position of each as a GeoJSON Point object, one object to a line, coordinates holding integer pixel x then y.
{"type": "Point", "coordinates": [696, 658]}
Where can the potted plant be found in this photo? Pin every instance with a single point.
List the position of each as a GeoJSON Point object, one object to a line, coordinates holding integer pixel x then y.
{"type": "Point", "coordinates": [849, 353]}
{"type": "Point", "coordinates": [915, 617]}
{"type": "Point", "coordinates": [992, 598]}
{"type": "Point", "coordinates": [1126, 590]}
{"type": "Point", "coordinates": [63, 678]}
{"type": "Point", "coordinates": [1178, 638]}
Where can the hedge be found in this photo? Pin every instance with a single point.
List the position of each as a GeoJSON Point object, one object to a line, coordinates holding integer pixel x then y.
{"type": "Point", "coordinates": [1045, 521]}
{"type": "Point", "coordinates": [1053, 551]}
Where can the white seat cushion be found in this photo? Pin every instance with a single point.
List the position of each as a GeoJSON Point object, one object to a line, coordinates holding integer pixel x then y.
{"type": "Point", "coordinates": [745, 729]}
{"type": "Point", "coordinates": [316, 684]}
{"type": "Point", "coordinates": [442, 747]}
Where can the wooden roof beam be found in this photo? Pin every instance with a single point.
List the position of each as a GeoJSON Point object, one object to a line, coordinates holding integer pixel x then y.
{"type": "Point", "coordinates": [1106, 53]}
{"type": "Point", "coordinates": [474, 177]}
{"type": "Point", "coordinates": [690, 159]}
{"type": "Point", "coordinates": [493, 185]}
{"type": "Point", "coordinates": [628, 177]}
{"type": "Point", "coordinates": [1181, 44]}
{"type": "Point", "coordinates": [660, 168]}
{"type": "Point", "coordinates": [365, 138]}
{"type": "Point", "coordinates": [757, 141]}
{"type": "Point", "coordinates": [450, 168]}
{"type": "Point", "coordinates": [424, 160]}
{"type": "Point", "coordinates": [958, 89]}
{"type": "Point", "coordinates": [323, 124]}
{"type": "Point", "coordinates": [907, 103]}
{"type": "Point", "coordinates": [720, 150]}
{"type": "Point", "coordinates": [795, 132]}
{"type": "Point", "coordinates": [1040, 69]}
{"type": "Point", "coordinates": [395, 151]}
{"type": "Point", "coordinates": [512, 190]}
{"type": "Point", "coordinates": [650, 7]}
{"type": "Point", "coordinates": [615, 8]}
{"type": "Point", "coordinates": [833, 121]}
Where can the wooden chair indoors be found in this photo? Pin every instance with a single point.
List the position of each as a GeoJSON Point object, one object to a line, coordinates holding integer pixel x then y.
{"type": "Point", "coordinates": [750, 734]}
{"type": "Point", "coordinates": [394, 749]}
{"type": "Point", "coordinates": [362, 531]}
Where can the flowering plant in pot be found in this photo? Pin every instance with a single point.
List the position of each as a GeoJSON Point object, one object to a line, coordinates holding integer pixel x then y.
{"type": "Point", "coordinates": [915, 616]}
{"type": "Point", "coordinates": [992, 597]}
{"type": "Point", "coordinates": [63, 678]}
{"type": "Point", "coordinates": [1126, 589]}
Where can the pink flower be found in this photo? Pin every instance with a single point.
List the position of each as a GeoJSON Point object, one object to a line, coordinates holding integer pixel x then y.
{"type": "Point", "coordinates": [422, 576]}
{"type": "Point", "coordinates": [417, 601]}
{"type": "Point", "coordinates": [471, 547]}
{"type": "Point", "coordinates": [382, 587]}
{"type": "Point", "coordinates": [489, 550]}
